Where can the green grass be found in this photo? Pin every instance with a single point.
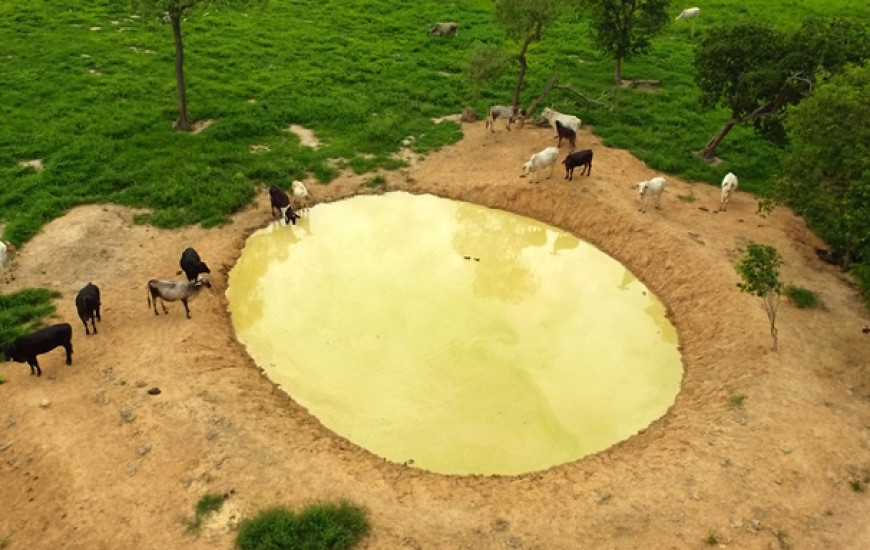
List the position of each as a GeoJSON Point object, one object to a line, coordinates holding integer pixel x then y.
{"type": "Point", "coordinates": [737, 400]}
{"type": "Point", "coordinates": [712, 539]}
{"type": "Point", "coordinates": [97, 105]}
{"type": "Point", "coordinates": [318, 527]}
{"type": "Point", "coordinates": [801, 297]}
{"type": "Point", "coordinates": [2, 381]}
{"type": "Point", "coordinates": [209, 503]}
{"type": "Point", "coordinates": [24, 311]}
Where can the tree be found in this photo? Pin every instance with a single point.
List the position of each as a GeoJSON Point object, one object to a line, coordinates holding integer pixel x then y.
{"type": "Point", "coordinates": [759, 269]}
{"type": "Point", "coordinates": [826, 171]}
{"type": "Point", "coordinates": [756, 71]}
{"type": "Point", "coordinates": [174, 10]}
{"type": "Point", "coordinates": [624, 28]}
{"type": "Point", "coordinates": [524, 20]}
{"type": "Point", "coordinates": [487, 63]}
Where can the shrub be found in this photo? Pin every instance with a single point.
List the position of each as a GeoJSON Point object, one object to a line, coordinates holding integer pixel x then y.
{"type": "Point", "coordinates": [321, 526]}
{"type": "Point", "coordinates": [801, 297]}
{"type": "Point", "coordinates": [210, 502]}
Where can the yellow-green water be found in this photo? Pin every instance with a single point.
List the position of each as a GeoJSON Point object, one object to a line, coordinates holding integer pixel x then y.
{"type": "Point", "coordinates": [535, 350]}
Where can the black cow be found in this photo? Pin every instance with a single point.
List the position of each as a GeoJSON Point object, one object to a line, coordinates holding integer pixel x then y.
{"type": "Point", "coordinates": [26, 348]}
{"type": "Point", "coordinates": [567, 133]}
{"type": "Point", "coordinates": [281, 202]}
{"type": "Point", "coordinates": [579, 158]}
{"type": "Point", "coordinates": [191, 264]}
{"type": "Point", "coordinates": [88, 305]}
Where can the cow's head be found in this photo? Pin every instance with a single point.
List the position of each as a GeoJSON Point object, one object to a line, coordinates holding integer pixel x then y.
{"type": "Point", "coordinates": [290, 216]}
{"type": "Point", "coordinates": [8, 351]}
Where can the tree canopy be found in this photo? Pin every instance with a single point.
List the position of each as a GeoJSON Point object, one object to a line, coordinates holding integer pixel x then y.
{"type": "Point", "coordinates": [524, 20]}
{"type": "Point", "coordinates": [756, 71]}
{"type": "Point", "coordinates": [624, 28]}
{"type": "Point", "coordinates": [759, 269]}
{"type": "Point", "coordinates": [826, 175]}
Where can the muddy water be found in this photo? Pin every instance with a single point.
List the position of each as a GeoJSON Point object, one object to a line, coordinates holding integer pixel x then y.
{"type": "Point", "coordinates": [453, 337]}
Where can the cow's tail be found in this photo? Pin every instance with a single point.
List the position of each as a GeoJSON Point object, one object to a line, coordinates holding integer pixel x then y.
{"type": "Point", "coordinates": [148, 288]}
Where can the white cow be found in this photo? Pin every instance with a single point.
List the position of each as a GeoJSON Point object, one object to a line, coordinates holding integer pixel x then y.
{"type": "Point", "coordinates": [539, 161]}
{"type": "Point", "coordinates": [688, 13]}
{"type": "Point", "coordinates": [7, 257]}
{"type": "Point", "coordinates": [167, 290]}
{"type": "Point", "coordinates": [655, 186]}
{"type": "Point", "coordinates": [568, 121]}
{"type": "Point", "coordinates": [729, 185]}
{"type": "Point", "coordinates": [501, 111]}
{"type": "Point", "coordinates": [302, 195]}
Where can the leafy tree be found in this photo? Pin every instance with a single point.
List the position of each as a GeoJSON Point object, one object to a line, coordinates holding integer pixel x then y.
{"type": "Point", "coordinates": [759, 269]}
{"type": "Point", "coordinates": [756, 71]}
{"type": "Point", "coordinates": [174, 11]}
{"type": "Point", "coordinates": [487, 63]}
{"type": "Point", "coordinates": [524, 20]}
{"type": "Point", "coordinates": [826, 173]}
{"type": "Point", "coordinates": [624, 28]}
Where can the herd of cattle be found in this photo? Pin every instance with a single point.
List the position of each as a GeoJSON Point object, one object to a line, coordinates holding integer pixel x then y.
{"type": "Point", "coordinates": [566, 128]}
{"type": "Point", "coordinates": [26, 348]}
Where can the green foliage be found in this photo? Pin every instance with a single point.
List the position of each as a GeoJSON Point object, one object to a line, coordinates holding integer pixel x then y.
{"type": "Point", "coordinates": [522, 18]}
{"type": "Point", "coordinates": [321, 526]}
{"type": "Point", "coordinates": [712, 539]}
{"type": "Point", "coordinates": [377, 180]}
{"type": "Point", "coordinates": [756, 71]}
{"type": "Point", "coordinates": [2, 381]}
{"type": "Point", "coordinates": [801, 297]}
{"type": "Point", "coordinates": [24, 311]}
{"type": "Point", "coordinates": [737, 400]}
{"type": "Point", "coordinates": [487, 63]}
{"type": "Point", "coordinates": [208, 503]}
{"type": "Point", "coordinates": [759, 270]}
{"type": "Point", "coordinates": [625, 28]}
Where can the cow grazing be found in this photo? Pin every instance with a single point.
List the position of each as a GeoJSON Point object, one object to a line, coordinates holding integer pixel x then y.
{"type": "Point", "coordinates": [655, 186]}
{"type": "Point", "coordinates": [191, 264]}
{"type": "Point", "coordinates": [539, 161]}
{"type": "Point", "coordinates": [166, 290]}
{"type": "Point", "coordinates": [24, 349]}
{"type": "Point", "coordinates": [88, 305]}
{"type": "Point", "coordinates": [7, 257]}
{"type": "Point", "coordinates": [440, 29]}
{"type": "Point", "coordinates": [281, 203]}
{"type": "Point", "coordinates": [729, 185]}
{"type": "Point", "coordinates": [567, 133]}
{"type": "Point", "coordinates": [579, 158]}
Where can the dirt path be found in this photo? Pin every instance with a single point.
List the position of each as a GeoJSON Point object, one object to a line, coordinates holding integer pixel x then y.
{"type": "Point", "coordinates": [106, 465]}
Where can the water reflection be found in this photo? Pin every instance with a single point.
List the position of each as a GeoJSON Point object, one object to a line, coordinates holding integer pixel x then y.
{"type": "Point", "coordinates": [376, 317]}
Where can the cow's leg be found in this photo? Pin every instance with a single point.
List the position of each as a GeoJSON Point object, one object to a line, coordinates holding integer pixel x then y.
{"type": "Point", "coordinates": [34, 367]}
{"type": "Point", "coordinates": [186, 309]}
{"type": "Point", "coordinates": [93, 323]}
{"type": "Point", "coordinates": [85, 323]}
{"type": "Point", "coordinates": [162, 304]}
{"type": "Point", "coordinates": [68, 347]}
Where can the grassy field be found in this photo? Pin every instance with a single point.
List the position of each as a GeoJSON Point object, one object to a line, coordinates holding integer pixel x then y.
{"type": "Point", "coordinates": [90, 91]}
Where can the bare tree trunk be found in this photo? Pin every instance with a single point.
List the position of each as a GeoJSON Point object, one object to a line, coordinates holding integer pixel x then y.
{"type": "Point", "coordinates": [617, 74]}
{"type": "Point", "coordinates": [771, 301]}
{"type": "Point", "coordinates": [521, 57]}
{"type": "Point", "coordinates": [709, 151]}
{"type": "Point", "coordinates": [183, 122]}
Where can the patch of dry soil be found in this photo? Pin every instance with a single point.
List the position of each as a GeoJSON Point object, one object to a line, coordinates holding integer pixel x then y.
{"type": "Point", "coordinates": [106, 465]}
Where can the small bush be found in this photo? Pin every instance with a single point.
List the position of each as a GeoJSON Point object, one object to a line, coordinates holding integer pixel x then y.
{"type": "Point", "coordinates": [737, 400]}
{"type": "Point", "coordinates": [712, 539]}
{"type": "Point", "coordinates": [801, 297]}
{"type": "Point", "coordinates": [321, 526]}
{"type": "Point", "coordinates": [858, 485]}
{"type": "Point", "coordinates": [210, 502]}
{"type": "Point", "coordinates": [2, 381]}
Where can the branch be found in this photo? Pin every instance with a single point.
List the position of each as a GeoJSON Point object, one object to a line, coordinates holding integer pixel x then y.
{"type": "Point", "coordinates": [608, 106]}
{"type": "Point", "coordinates": [553, 83]}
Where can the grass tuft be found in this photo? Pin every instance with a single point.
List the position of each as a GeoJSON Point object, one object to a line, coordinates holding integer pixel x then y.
{"type": "Point", "coordinates": [318, 527]}
{"type": "Point", "coordinates": [209, 503]}
{"type": "Point", "coordinates": [737, 400]}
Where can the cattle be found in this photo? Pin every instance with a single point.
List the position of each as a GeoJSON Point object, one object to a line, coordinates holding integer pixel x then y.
{"type": "Point", "coordinates": [440, 29]}
{"type": "Point", "coordinates": [567, 133]}
{"type": "Point", "coordinates": [24, 349]}
{"type": "Point", "coordinates": [579, 158]}
{"type": "Point", "coordinates": [539, 161]}
{"type": "Point", "coordinates": [166, 290]}
{"type": "Point", "coordinates": [88, 305]}
{"type": "Point", "coordinates": [300, 192]}
{"type": "Point", "coordinates": [281, 202]}
{"type": "Point", "coordinates": [191, 264]}
{"type": "Point", "coordinates": [729, 185]}
{"type": "Point", "coordinates": [568, 121]}
{"type": "Point", "coordinates": [7, 257]}
{"type": "Point", "coordinates": [655, 186]}
{"type": "Point", "coordinates": [501, 111]}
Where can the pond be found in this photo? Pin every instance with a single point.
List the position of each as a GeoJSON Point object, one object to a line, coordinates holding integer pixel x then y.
{"type": "Point", "coordinates": [453, 337]}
